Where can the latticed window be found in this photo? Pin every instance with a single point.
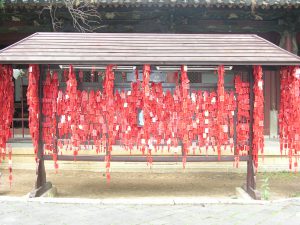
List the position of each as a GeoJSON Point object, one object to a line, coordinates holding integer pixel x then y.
{"type": "Point", "coordinates": [91, 76]}
{"type": "Point", "coordinates": [195, 77]}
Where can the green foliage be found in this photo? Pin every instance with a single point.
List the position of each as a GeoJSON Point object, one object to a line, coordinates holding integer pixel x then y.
{"type": "Point", "coordinates": [1, 4]}
{"type": "Point", "coordinates": [265, 187]}
{"type": "Point", "coordinates": [295, 195]}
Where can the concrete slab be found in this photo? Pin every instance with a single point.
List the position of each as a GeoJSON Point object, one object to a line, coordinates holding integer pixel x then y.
{"type": "Point", "coordinates": [51, 193]}
{"type": "Point", "coordinates": [242, 194]}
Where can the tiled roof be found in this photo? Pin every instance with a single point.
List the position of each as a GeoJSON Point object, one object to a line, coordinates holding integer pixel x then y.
{"type": "Point", "coordinates": [183, 3]}
{"type": "Point", "coordinates": [139, 49]}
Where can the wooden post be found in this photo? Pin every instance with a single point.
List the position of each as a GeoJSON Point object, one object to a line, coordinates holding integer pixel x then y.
{"type": "Point", "coordinates": [251, 176]}
{"type": "Point", "coordinates": [235, 122]}
{"type": "Point", "coordinates": [41, 186]}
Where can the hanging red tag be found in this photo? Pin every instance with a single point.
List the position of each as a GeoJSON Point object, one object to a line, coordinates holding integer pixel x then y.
{"type": "Point", "coordinates": [258, 114]}
{"type": "Point", "coordinates": [289, 114]}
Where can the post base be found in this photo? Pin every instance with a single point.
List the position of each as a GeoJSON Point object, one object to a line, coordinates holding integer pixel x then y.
{"type": "Point", "coordinates": [41, 190]}
{"type": "Point", "coordinates": [253, 193]}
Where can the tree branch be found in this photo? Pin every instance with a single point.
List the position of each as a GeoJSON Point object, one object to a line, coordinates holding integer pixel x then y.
{"type": "Point", "coordinates": [84, 15]}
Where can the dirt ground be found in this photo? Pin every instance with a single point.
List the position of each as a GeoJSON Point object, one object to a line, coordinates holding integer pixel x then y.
{"type": "Point", "coordinates": [210, 184]}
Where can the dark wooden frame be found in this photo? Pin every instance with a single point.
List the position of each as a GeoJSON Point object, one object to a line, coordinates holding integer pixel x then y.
{"type": "Point", "coordinates": [42, 185]}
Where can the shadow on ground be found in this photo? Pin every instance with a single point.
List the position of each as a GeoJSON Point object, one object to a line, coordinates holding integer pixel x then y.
{"type": "Point", "coordinates": [144, 184]}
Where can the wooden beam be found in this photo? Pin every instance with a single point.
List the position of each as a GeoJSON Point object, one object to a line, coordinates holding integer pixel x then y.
{"type": "Point", "coordinates": [156, 158]}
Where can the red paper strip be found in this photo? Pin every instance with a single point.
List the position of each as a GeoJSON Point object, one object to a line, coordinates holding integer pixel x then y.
{"type": "Point", "coordinates": [258, 115]}
{"type": "Point", "coordinates": [33, 105]}
{"type": "Point", "coordinates": [243, 117]}
{"type": "Point", "coordinates": [289, 114]}
{"type": "Point", "coordinates": [6, 113]}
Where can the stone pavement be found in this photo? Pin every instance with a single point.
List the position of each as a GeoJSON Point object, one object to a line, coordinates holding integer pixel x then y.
{"type": "Point", "coordinates": [21, 211]}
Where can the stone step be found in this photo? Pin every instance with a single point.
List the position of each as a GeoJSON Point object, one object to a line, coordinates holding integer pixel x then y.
{"type": "Point", "coordinates": [272, 148]}
{"type": "Point", "coordinates": [268, 164]}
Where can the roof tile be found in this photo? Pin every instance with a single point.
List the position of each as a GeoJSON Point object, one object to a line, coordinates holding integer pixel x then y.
{"type": "Point", "coordinates": [207, 3]}
{"type": "Point", "coordinates": [146, 48]}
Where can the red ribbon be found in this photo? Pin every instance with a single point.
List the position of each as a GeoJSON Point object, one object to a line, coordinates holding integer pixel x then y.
{"type": "Point", "coordinates": [243, 117]}
{"type": "Point", "coordinates": [6, 113]}
{"type": "Point", "coordinates": [258, 115]}
{"type": "Point", "coordinates": [33, 105]}
{"type": "Point", "coordinates": [289, 114]}
{"type": "Point", "coordinates": [49, 110]}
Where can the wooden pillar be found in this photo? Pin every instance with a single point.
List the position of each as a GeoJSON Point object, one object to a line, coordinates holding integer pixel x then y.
{"type": "Point", "coordinates": [251, 175]}
{"type": "Point", "coordinates": [235, 122]}
{"type": "Point", "coordinates": [41, 184]}
{"type": "Point", "coordinates": [41, 173]}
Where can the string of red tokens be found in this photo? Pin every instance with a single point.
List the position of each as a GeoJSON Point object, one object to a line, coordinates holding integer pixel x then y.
{"type": "Point", "coordinates": [243, 117]}
{"type": "Point", "coordinates": [33, 105]}
{"type": "Point", "coordinates": [289, 114]}
{"type": "Point", "coordinates": [193, 119]}
{"type": "Point", "coordinates": [6, 113]}
{"type": "Point", "coordinates": [146, 117]}
{"type": "Point", "coordinates": [258, 115]}
{"type": "Point", "coordinates": [49, 109]}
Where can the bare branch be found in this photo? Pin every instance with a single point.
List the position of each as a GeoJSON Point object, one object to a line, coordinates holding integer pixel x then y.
{"type": "Point", "coordinates": [55, 22]}
{"type": "Point", "coordinates": [84, 15]}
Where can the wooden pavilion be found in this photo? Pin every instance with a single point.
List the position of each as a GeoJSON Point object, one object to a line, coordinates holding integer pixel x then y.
{"type": "Point", "coordinates": [238, 52]}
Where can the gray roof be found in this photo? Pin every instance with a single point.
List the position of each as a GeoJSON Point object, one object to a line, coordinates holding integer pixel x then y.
{"type": "Point", "coordinates": [146, 48]}
{"type": "Point", "coordinates": [194, 3]}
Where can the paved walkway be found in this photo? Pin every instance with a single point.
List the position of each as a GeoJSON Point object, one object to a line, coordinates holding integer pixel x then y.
{"type": "Point", "coordinates": [19, 211]}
